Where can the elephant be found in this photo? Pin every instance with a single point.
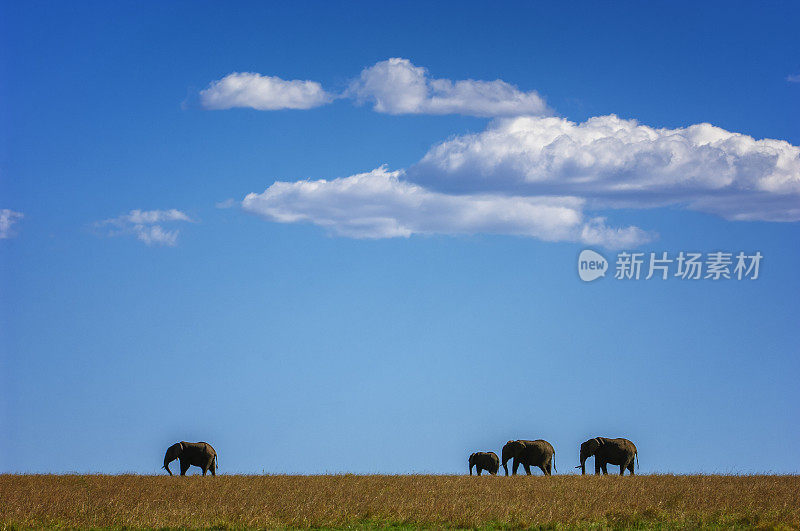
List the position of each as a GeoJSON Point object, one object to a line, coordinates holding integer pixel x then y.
{"type": "Point", "coordinates": [606, 451]}
{"type": "Point", "coordinates": [198, 454]}
{"type": "Point", "coordinates": [487, 461]}
{"type": "Point", "coordinates": [529, 453]}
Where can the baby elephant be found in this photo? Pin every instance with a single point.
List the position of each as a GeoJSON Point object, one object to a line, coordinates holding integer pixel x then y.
{"type": "Point", "coordinates": [487, 461]}
{"type": "Point", "coordinates": [198, 454]}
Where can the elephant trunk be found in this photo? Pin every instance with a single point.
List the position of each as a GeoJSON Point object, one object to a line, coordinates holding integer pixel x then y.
{"type": "Point", "coordinates": [510, 451]}
{"type": "Point", "coordinates": [167, 460]}
{"type": "Point", "coordinates": [583, 466]}
{"type": "Point", "coordinates": [173, 453]}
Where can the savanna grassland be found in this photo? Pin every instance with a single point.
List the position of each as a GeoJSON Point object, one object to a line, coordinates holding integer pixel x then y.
{"type": "Point", "coordinates": [130, 501]}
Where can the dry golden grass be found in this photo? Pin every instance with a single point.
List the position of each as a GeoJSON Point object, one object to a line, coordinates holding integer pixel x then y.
{"type": "Point", "coordinates": [35, 501]}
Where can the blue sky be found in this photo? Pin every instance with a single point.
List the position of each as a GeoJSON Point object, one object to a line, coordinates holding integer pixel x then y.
{"type": "Point", "coordinates": [399, 320]}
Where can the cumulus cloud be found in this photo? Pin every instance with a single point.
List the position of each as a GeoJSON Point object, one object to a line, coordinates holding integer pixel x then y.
{"type": "Point", "coordinates": [527, 173]}
{"type": "Point", "coordinates": [539, 177]}
{"type": "Point", "coordinates": [146, 225]}
{"type": "Point", "coordinates": [8, 218]}
{"type": "Point", "coordinates": [380, 204]}
{"type": "Point", "coordinates": [615, 163]}
{"type": "Point", "coordinates": [396, 86]}
{"type": "Point", "coordinates": [264, 93]}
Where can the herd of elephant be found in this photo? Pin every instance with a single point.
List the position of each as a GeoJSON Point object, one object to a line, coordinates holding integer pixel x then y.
{"type": "Point", "coordinates": [538, 453]}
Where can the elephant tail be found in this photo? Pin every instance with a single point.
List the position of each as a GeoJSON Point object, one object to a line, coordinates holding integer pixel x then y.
{"type": "Point", "coordinates": [554, 462]}
{"type": "Point", "coordinates": [636, 454]}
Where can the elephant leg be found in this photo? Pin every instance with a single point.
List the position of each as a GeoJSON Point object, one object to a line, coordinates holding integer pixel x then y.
{"type": "Point", "coordinates": [597, 466]}
{"type": "Point", "coordinates": [514, 467]}
{"type": "Point", "coordinates": [209, 466]}
{"type": "Point", "coordinates": [604, 466]}
{"type": "Point", "coordinates": [213, 468]}
{"type": "Point", "coordinates": [480, 470]}
{"type": "Point", "coordinates": [549, 467]}
{"type": "Point", "coordinates": [527, 469]}
{"type": "Point", "coordinates": [622, 468]}
{"type": "Point", "coordinates": [543, 469]}
{"type": "Point", "coordinates": [184, 467]}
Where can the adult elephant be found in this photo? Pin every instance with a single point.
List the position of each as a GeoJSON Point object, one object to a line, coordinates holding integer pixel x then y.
{"type": "Point", "coordinates": [192, 454]}
{"type": "Point", "coordinates": [529, 453]}
{"type": "Point", "coordinates": [487, 461]}
{"type": "Point", "coordinates": [606, 451]}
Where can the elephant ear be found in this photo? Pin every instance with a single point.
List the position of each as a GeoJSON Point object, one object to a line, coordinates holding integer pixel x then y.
{"type": "Point", "coordinates": [590, 447]}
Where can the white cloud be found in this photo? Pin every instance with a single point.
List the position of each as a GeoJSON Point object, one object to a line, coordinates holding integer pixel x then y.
{"type": "Point", "coordinates": [145, 225]}
{"type": "Point", "coordinates": [8, 218]}
{"type": "Point", "coordinates": [794, 78]}
{"type": "Point", "coordinates": [156, 235]}
{"type": "Point", "coordinates": [225, 203]}
{"type": "Point", "coordinates": [265, 93]}
{"type": "Point", "coordinates": [596, 232]}
{"type": "Point", "coordinates": [380, 204]}
{"type": "Point", "coordinates": [615, 163]}
{"type": "Point", "coordinates": [396, 86]}
{"type": "Point", "coordinates": [139, 217]}
{"type": "Point", "coordinates": [538, 177]}
{"type": "Point", "coordinates": [527, 174]}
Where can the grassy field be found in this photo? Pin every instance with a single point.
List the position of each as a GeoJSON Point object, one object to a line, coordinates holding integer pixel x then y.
{"type": "Point", "coordinates": [128, 501]}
